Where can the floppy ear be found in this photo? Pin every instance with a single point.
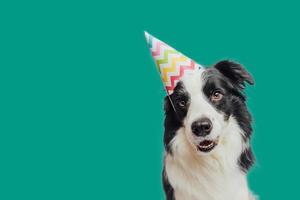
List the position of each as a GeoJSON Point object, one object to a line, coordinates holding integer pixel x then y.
{"type": "Point", "coordinates": [235, 73]}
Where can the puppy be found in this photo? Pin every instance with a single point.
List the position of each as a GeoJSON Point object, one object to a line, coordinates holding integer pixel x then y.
{"type": "Point", "coordinates": [207, 136]}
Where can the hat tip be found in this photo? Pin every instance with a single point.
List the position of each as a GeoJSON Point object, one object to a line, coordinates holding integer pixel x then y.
{"type": "Point", "coordinates": [146, 34]}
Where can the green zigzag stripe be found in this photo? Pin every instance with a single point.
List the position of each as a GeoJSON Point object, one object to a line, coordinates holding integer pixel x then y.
{"type": "Point", "coordinates": [166, 54]}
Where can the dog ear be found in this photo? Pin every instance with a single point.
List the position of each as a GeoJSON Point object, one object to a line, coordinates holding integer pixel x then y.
{"type": "Point", "coordinates": [235, 72]}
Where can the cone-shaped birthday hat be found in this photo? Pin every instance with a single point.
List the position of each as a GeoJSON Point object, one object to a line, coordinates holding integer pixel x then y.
{"type": "Point", "coordinates": [171, 64]}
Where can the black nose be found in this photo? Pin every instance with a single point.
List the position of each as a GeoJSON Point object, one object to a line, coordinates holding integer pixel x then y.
{"type": "Point", "coordinates": [202, 127]}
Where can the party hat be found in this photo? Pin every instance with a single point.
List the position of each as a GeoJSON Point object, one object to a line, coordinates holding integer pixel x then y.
{"type": "Point", "coordinates": [171, 64]}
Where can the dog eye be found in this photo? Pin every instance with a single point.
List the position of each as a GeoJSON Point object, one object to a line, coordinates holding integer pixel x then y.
{"type": "Point", "coordinates": [181, 104]}
{"type": "Point", "coordinates": [216, 96]}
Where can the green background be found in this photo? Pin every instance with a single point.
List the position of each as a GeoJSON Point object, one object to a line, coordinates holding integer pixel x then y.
{"type": "Point", "coordinates": [81, 100]}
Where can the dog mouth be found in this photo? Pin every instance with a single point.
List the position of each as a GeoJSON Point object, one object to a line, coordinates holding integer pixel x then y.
{"type": "Point", "coordinates": [207, 145]}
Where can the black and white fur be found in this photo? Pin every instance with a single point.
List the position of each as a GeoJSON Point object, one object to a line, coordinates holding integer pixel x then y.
{"type": "Point", "coordinates": [217, 169]}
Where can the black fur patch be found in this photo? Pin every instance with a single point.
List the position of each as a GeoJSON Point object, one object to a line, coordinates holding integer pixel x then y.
{"type": "Point", "coordinates": [169, 191]}
{"type": "Point", "coordinates": [246, 159]}
{"type": "Point", "coordinates": [233, 101]}
{"type": "Point", "coordinates": [173, 120]}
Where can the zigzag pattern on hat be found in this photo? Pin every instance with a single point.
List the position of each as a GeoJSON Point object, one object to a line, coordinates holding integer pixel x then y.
{"type": "Point", "coordinates": [171, 64]}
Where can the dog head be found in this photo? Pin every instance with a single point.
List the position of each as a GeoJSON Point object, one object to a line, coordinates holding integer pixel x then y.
{"type": "Point", "coordinates": [203, 102]}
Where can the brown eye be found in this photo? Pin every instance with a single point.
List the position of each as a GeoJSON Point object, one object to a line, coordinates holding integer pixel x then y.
{"type": "Point", "coordinates": [181, 104]}
{"type": "Point", "coordinates": [216, 96]}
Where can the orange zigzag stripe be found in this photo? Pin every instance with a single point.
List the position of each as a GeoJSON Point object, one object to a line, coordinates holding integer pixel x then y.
{"type": "Point", "coordinates": [172, 67]}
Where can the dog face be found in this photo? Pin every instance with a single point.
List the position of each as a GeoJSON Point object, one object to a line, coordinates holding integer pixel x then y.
{"type": "Point", "coordinates": [203, 102]}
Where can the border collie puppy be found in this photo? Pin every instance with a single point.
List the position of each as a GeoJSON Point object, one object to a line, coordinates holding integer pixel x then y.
{"type": "Point", "coordinates": [207, 136]}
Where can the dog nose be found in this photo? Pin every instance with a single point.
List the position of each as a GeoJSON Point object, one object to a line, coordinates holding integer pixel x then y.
{"type": "Point", "coordinates": [201, 127]}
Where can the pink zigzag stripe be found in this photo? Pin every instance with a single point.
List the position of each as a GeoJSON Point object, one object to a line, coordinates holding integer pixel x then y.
{"type": "Point", "coordinates": [158, 45]}
{"type": "Point", "coordinates": [182, 69]}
